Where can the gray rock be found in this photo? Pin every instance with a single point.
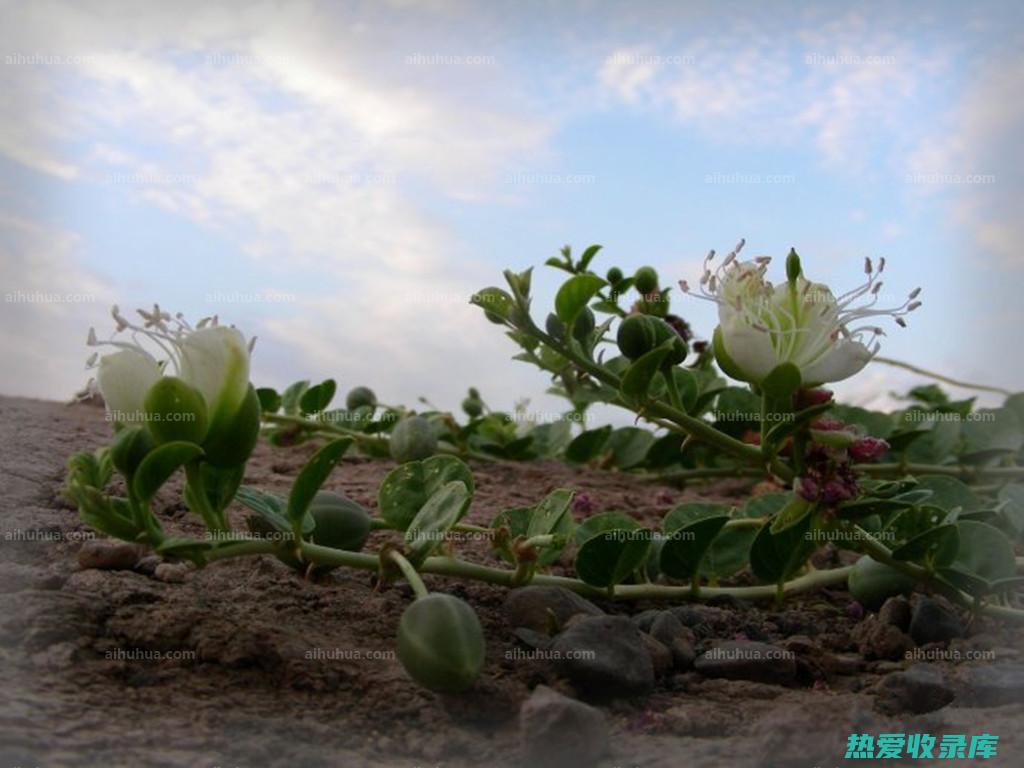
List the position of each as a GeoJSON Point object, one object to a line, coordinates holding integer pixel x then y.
{"type": "Point", "coordinates": [605, 657]}
{"type": "Point", "coordinates": [666, 627]}
{"type": "Point", "coordinates": [645, 619]}
{"type": "Point", "coordinates": [108, 555]}
{"type": "Point", "coordinates": [538, 608]}
{"type": "Point", "coordinates": [877, 640]}
{"type": "Point", "coordinates": [683, 653]}
{"type": "Point", "coordinates": [920, 688]}
{"type": "Point", "coordinates": [896, 612]}
{"type": "Point", "coordinates": [173, 573]}
{"type": "Point", "coordinates": [556, 731]}
{"type": "Point", "coordinates": [748, 660]}
{"type": "Point", "coordinates": [661, 656]}
{"type": "Point", "coordinates": [933, 622]}
{"type": "Point", "coordinates": [994, 685]}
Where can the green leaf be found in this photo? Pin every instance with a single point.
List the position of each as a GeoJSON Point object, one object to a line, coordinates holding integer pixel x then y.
{"type": "Point", "coordinates": [984, 551]}
{"type": "Point", "coordinates": [1012, 510]}
{"type": "Point", "coordinates": [782, 382]}
{"type": "Point", "coordinates": [435, 519]}
{"type": "Point", "coordinates": [587, 445]}
{"type": "Point", "coordinates": [690, 512]}
{"type": "Point", "coordinates": [774, 558]}
{"type": "Point", "coordinates": [270, 400]}
{"type": "Point", "coordinates": [408, 486]}
{"type": "Point", "coordinates": [638, 377]}
{"type": "Point", "coordinates": [270, 508]}
{"type": "Point", "coordinates": [573, 296]}
{"type": "Point", "coordinates": [605, 521]}
{"type": "Point", "coordinates": [312, 476]}
{"type": "Point", "coordinates": [950, 493]}
{"type": "Point", "coordinates": [495, 302]}
{"type": "Point", "coordinates": [610, 557]}
{"type": "Point", "coordinates": [934, 548]}
{"type": "Point", "coordinates": [158, 466]}
{"type": "Point", "coordinates": [728, 553]}
{"type": "Point", "coordinates": [291, 397]}
{"type": "Point", "coordinates": [550, 512]}
{"type": "Point", "coordinates": [317, 398]}
{"type": "Point", "coordinates": [685, 547]}
{"type": "Point", "coordinates": [588, 256]}
{"type": "Point", "coordinates": [792, 514]}
{"type": "Point", "coordinates": [990, 433]}
{"type": "Point", "coordinates": [629, 446]}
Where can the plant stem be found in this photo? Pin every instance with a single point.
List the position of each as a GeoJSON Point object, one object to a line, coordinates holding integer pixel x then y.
{"type": "Point", "coordinates": [959, 470]}
{"type": "Point", "coordinates": [940, 377]}
{"type": "Point", "coordinates": [410, 573]}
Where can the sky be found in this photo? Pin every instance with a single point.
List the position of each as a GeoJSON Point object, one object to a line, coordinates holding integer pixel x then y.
{"type": "Point", "coordinates": [337, 178]}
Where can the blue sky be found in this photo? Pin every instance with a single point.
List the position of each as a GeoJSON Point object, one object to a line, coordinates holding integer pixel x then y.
{"type": "Point", "coordinates": [374, 163]}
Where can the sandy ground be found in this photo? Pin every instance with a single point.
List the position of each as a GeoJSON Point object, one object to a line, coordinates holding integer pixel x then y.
{"type": "Point", "coordinates": [258, 667]}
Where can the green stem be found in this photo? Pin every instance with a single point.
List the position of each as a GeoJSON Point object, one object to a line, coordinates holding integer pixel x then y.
{"type": "Point", "coordinates": [940, 377]}
{"type": "Point", "coordinates": [960, 471]}
{"type": "Point", "coordinates": [410, 573]}
{"type": "Point", "coordinates": [214, 519]}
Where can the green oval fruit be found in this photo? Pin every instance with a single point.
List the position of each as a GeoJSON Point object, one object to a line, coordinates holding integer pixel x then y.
{"type": "Point", "coordinates": [129, 448]}
{"type": "Point", "coordinates": [583, 326]}
{"type": "Point", "coordinates": [473, 407]}
{"type": "Point", "coordinates": [340, 522]}
{"type": "Point", "coordinates": [230, 444]}
{"type": "Point", "coordinates": [664, 332]}
{"type": "Point", "coordinates": [871, 583]}
{"type": "Point", "coordinates": [441, 643]}
{"type": "Point", "coordinates": [360, 396]}
{"type": "Point", "coordinates": [636, 336]}
{"type": "Point", "coordinates": [412, 439]}
{"type": "Point", "coordinates": [554, 326]}
{"type": "Point", "coordinates": [175, 411]}
{"type": "Point", "coordinates": [646, 280]}
{"type": "Point", "coordinates": [614, 276]}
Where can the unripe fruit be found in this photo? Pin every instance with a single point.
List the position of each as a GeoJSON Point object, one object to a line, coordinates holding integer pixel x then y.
{"type": "Point", "coordinates": [472, 407]}
{"type": "Point", "coordinates": [441, 643]}
{"type": "Point", "coordinates": [360, 396]}
{"type": "Point", "coordinates": [554, 326]}
{"type": "Point", "coordinates": [175, 411]}
{"type": "Point", "coordinates": [664, 332]}
{"type": "Point", "coordinates": [871, 583]}
{"type": "Point", "coordinates": [340, 522]}
{"type": "Point", "coordinates": [646, 280]}
{"type": "Point", "coordinates": [412, 439]}
{"type": "Point", "coordinates": [636, 336]}
{"type": "Point", "coordinates": [614, 276]}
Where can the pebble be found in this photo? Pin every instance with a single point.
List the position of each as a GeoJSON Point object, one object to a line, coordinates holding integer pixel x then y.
{"type": "Point", "coordinates": [897, 612]}
{"type": "Point", "coordinates": [661, 656]}
{"type": "Point", "coordinates": [748, 660]}
{"type": "Point", "coordinates": [556, 731]}
{"type": "Point", "coordinates": [173, 573]}
{"type": "Point", "coordinates": [934, 622]}
{"type": "Point", "coordinates": [108, 555]}
{"type": "Point", "coordinates": [994, 685]}
{"type": "Point", "coordinates": [920, 688]}
{"type": "Point", "coordinates": [605, 657]}
{"type": "Point", "coordinates": [538, 608]}
{"type": "Point", "coordinates": [876, 640]}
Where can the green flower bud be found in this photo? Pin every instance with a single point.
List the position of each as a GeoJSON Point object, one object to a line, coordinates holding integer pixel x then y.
{"type": "Point", "coordinates": [793, 268]}
{"type": "Point", "coordinates": [175, 411]}
{"type": "Point", "coordinates": [871, 583]}
{"type": "Point", "coordinates": [554, 326]}
{"type": "Point", "coordinates": [340, 522]}
{"type": "Point", "coordinates": [664, 332]}
{"type": "Point", "coordinates": [584, 324]}
{"type": "Point", "coordinates": [473, 407]}
{"type": "Point", "coordinates": [129, 448]}
{"type": "Point", "coordinates": [441, 643]}
{"type": "Point", "coordinates": [646, 280]}
{"type": "Point", "coordinates": [614, 276]}
{"type": "Point", "coordinates": [360, 396]}
{"type": "Point", "coordinates": [412, 439]}
{"type": "Point", "coordinates": [234, 443]}
{"type": "Point", "coordinates": [636, 336]}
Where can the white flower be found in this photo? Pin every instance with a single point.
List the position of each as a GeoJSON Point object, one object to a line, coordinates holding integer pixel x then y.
{"type": "Point", "coordinates": [762, 326]}
{"type": "Point", "coordinates": [124, 379]}
{"type": "Point", "coordinates": [212, 358]}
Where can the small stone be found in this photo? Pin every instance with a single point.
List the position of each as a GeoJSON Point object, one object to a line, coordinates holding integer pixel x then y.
{"type": "Point", "coordinates": [661, 656]}
{"type": "Point", "coordinates": [683, 653]}
{"type": "Point", "coordinates": [897, 612]}
{"type": "Point", "coordinates": [920, 688]}
{"type": "Point", "coordinates": [995, 685]}
{"type": "Point", "coordinates": [107, 555]}
{"type": "Point", "coordinates": [748, 660]}
{"type": "Point", "coordinates": [556, 731]}
{"type": "Point", "coordinates": [841, 663]}
{"type": "Point", "coordinates": [538, 608]}
{"type": "Point", "coordinates": [934, 622]}
{"type": "Point", "coordinates": [876, 640]}
{"type": "Point", "coordinates": [605, 657]}
{"type": "Point", "coordinates": [645, 619]}
{"type": "Point", "coordinates": [147, 565]}
{"type": "Point", "coordinates": [173, 573]}
{"type": "Point", "coordinates": [666, 627]}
